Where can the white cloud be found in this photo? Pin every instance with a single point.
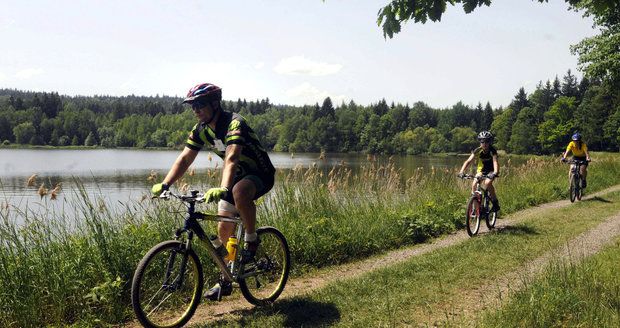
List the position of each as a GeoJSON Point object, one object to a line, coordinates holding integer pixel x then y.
{"type": "Point", "coordinates": [259, 65]}
{"type": "Point", "coordinates": [307, 94]}
{"type": "Point", "coordinates": [2, 77]}
{"type": "Point", "coordinates": [299, 65]}
{"type": "Point", "coordinates": [28, 73]}
{"type": "Point", "coordinates": [6, 23]}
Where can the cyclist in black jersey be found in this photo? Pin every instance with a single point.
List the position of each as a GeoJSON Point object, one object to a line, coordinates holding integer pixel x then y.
{"type": "Point", "coordinates": [487, 164]}
{"type": "Point", "coordinates": [247, 173]}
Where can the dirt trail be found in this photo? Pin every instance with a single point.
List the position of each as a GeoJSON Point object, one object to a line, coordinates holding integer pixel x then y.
{"type": "Point", "coordinates": [590, 242]}
{"type": "Point", "coordinates": [494, 293]}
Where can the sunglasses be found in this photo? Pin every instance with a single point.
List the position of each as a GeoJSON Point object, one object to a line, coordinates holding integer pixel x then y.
{"type": "Point", "coordinates": [485, 141]}
{"type": "Point", "coordinates": [198, 105]}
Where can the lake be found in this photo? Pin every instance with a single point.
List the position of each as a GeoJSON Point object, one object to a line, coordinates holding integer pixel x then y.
{"type": "Point", "coordinates": [119, 176]}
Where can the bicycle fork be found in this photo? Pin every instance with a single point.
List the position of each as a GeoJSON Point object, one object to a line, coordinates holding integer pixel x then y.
{"type": "Point", "coordinates": [183, 251]}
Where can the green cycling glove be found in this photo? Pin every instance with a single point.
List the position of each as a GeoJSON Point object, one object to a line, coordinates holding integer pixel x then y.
{"type": "Point", "coordinates": [158, 189]}
{"type": "Point", "coordinates": [215, 194]}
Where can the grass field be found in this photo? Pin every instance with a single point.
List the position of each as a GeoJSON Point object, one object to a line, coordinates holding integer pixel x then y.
{"type": "Point", "coordinates": [53, 272]}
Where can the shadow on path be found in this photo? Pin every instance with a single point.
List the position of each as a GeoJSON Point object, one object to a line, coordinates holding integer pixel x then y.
{"type": "Point", "coordinates": [597, 199]}
{"type": "Point", "coordinates": [297, 312]}
{"type": "Point", "coordinates": [516, 230]}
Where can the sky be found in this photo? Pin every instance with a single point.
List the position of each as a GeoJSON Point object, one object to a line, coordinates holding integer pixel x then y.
{"type": "Point", "coordinates": [292, 52]}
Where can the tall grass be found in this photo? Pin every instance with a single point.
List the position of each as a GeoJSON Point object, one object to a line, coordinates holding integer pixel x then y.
{"type": "Point", "coordinates": [53, 271]}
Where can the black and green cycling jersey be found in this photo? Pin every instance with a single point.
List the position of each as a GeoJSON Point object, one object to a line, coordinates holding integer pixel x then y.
{"type": "Point", "coordinates": [484, 159]}
{"type": "Point", "coordinates": [231, 128]}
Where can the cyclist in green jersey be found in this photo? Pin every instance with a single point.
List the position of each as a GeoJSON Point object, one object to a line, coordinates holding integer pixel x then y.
{"type": "Point", "coordinates": [247, 173]}
{"type": "Point", "coordinates": [486, 158]}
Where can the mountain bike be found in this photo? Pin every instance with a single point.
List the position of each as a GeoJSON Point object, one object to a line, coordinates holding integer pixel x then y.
{"type": "Point", "coordinates": [575, 188]}
{"type": "Point", "coordinates": [168, 282]}
{"type": "Point", "coordinates": [478, 207]}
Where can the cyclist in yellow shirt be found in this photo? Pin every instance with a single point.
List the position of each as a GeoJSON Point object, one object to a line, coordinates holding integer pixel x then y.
{"type": "Point", "coordinates": [579, 149]}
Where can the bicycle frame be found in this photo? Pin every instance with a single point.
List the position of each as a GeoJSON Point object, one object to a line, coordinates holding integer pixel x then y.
{"type": "Point", "coordinates": [481, 193]}
{"type": "Point", "coordinates": [576, 168]}
{"type": "Point", "coordinates": [483, 196]}
{"type": "Point", "coordinates": [192, 226]}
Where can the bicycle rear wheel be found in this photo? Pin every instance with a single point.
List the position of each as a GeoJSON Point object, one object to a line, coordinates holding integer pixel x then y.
{"type": "Point", "coordinates": [264, 279]}
{"type": "Point", "coordinates": [472, 220]}
{"type": "Point", "coordinates": [167, 285]}
{"type": "Point", "coordinates": [491, 216]}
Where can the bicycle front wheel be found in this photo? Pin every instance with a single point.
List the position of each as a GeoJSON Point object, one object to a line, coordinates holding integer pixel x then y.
{"type": "Point", "coordinates": [263, 280]}
{"type": "Point", "coordinates": [574, 188]}
{"type": "Point", "coordinates": [472, 220]}
{"type": "Point", "coordinates": [579, 189]}
{"type": "Point", "coordinates": [167, 285]}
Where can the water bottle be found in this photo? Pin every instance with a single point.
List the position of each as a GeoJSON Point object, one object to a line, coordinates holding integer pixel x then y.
{"type": "Point", "coordinates": [219, 247]}
{"type": "Point", "coordinates": [231, 247]}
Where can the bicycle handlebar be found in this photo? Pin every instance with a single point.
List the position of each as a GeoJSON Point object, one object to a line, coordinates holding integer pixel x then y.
{"type": "Point", "coordinates": [469, 176]}
{"type": "Point", "coordinates": [195, 196]}
{"type": "Point", "coordinates": [575, 161]}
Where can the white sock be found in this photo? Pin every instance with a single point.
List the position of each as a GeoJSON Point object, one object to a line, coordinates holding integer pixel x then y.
{"type": "Point", "coordinates": [250, 237]}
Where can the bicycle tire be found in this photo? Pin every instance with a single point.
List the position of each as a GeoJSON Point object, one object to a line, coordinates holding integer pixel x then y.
{"type": "Point", "coordinates": [472, 217]}
{"type": "Point", "coordinates": [491, 216]}
{"type": "Point", "coordinates": [269, 272]}
{"type": "Point", "coordinates": [155, 298]}
{"type": "Point", "coordinates": [579, 189]}
{"type": "Point", "coordinates": [573, 189]}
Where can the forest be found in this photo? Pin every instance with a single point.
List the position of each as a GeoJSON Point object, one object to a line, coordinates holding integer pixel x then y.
{"type": "Point", "coordinates": [537, 123]}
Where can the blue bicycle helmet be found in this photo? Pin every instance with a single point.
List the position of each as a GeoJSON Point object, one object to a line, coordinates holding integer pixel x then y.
{"type": "Point", "coordinates": [576, 136]}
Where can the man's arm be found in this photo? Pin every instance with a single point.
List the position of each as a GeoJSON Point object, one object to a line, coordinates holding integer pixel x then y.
{"type": "Point", "coordinates": [495, 165]}
{"type": "Point", "coordinates": [233, 153]}
{"type": "Point", "coordinates": [185, 159]}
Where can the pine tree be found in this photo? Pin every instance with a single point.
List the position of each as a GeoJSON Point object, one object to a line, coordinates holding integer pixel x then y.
{"type": "Point", "coordinates": [569, 85]}
{"type": "Point", "coordinates": [519, 102]}
{"type": "Point", "coordinates": [487, 117]}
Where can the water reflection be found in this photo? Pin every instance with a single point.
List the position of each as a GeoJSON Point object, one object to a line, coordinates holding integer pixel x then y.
{"type": "Point", "coordinates": [118, 176]}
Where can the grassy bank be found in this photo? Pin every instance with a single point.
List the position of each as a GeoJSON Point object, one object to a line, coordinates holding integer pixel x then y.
{"type": "Point", "coordinates": [441, 288]}
{"type": "Point", "coordinates": [567, 295]}
{"type": "Point", "coordinates": [55, 272]}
